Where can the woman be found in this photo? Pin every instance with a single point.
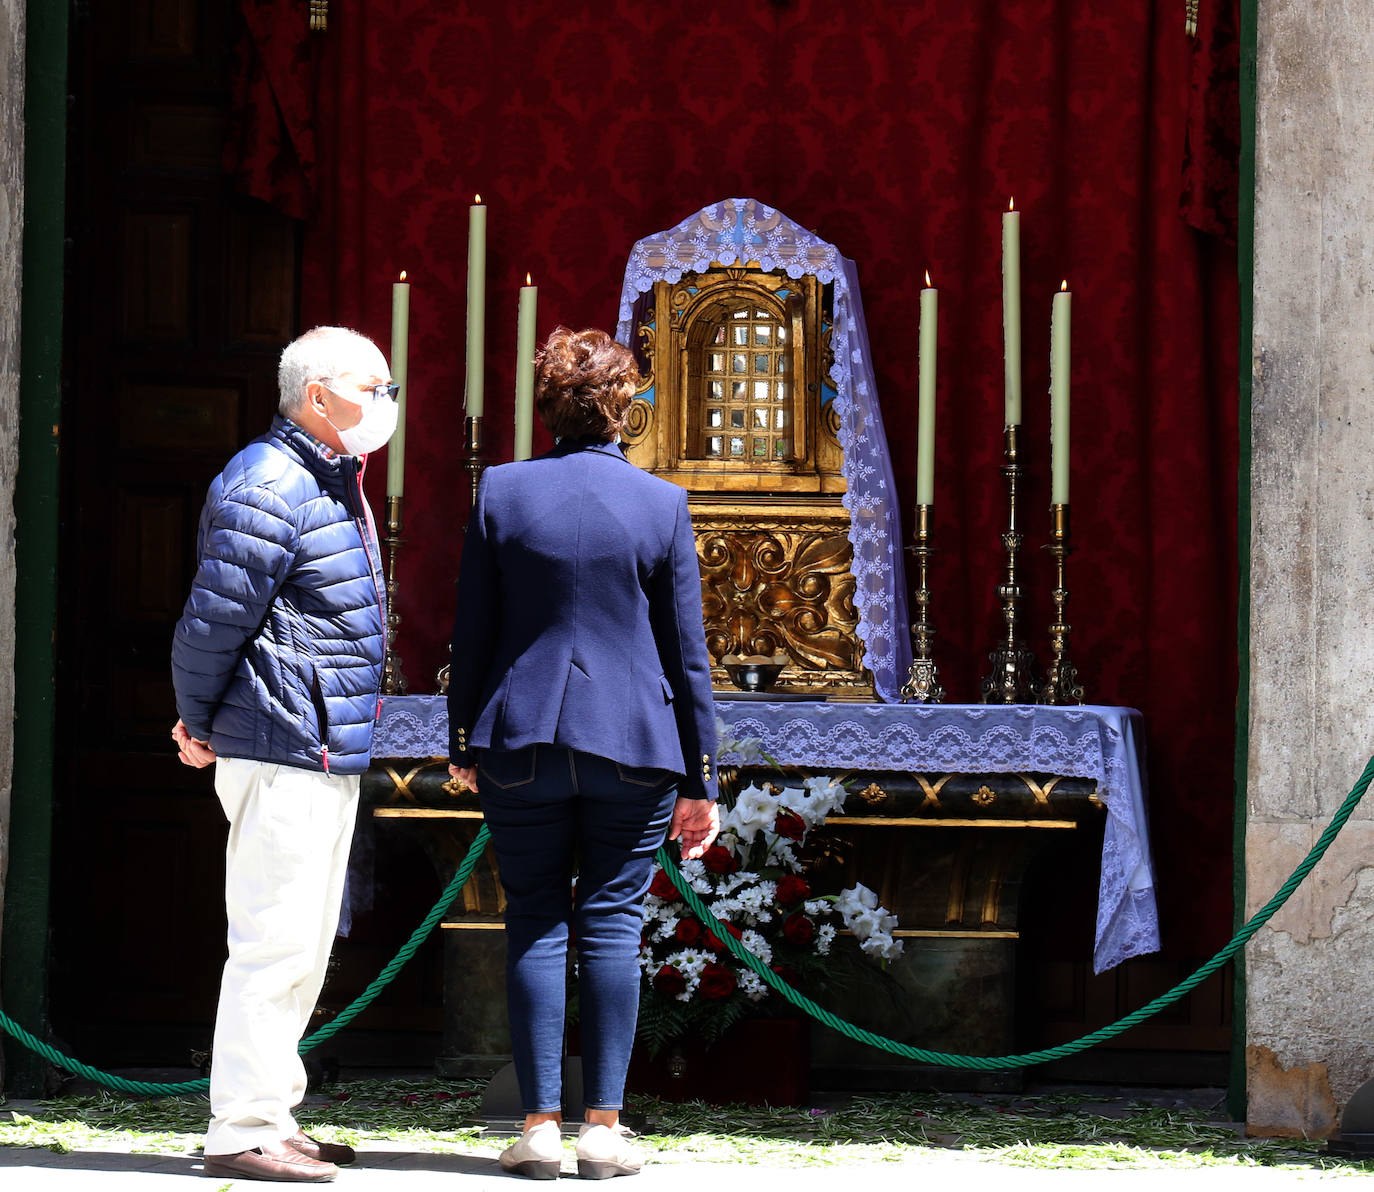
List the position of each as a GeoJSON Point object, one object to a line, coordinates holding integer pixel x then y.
{"type": "Point", "coordinates": [580, 711]}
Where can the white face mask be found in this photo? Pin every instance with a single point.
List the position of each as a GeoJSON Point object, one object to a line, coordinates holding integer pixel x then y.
{"type": "Point", "coordinates": [376, 426]}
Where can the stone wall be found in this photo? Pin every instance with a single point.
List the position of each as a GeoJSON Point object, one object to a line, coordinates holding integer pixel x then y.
{"type": "Point", "coordinates": [1310, 1016]}
{"type": "Point", "coordinates": [11, 225]}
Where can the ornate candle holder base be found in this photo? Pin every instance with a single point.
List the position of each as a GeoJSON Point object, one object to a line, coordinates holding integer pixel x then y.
{"type": "Point", "coordinates": [1013, 678]}
{"type": "Point", "coordinates": [922, 684]}
{"type": "Point", "coordinates": [474, 461]}
{"type": "Point", "coordinates": [1061, 685]}
{"type": "Point", "coordinates": [393, 681]}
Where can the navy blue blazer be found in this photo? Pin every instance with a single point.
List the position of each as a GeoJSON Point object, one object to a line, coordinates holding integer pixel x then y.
{"type": "Point", "coordinates": [579, 618]}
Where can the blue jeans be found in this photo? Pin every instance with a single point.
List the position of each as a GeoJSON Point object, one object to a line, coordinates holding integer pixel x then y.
{"type": "Point", "coordinates": [548, 807]}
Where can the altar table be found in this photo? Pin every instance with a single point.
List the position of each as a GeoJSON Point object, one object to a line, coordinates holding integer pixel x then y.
{"type": "Point", "coordinates": [1090, 741]}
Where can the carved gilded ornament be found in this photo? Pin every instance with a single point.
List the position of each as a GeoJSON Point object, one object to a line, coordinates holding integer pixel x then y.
{"type": "Point", "coordinates": [730, 408]}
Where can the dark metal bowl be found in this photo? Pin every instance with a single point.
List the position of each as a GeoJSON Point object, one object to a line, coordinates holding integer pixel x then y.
{"type": "Point", "coordinates": [753, 676]}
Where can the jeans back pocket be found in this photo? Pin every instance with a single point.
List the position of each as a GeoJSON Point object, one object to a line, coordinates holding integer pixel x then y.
{"type": "Point", "coordinates": [508, 768]}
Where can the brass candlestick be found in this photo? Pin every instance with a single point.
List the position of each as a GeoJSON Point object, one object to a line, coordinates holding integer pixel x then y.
{"type": "Point", "coordinates": [475, 463]}
{"type": "Point", "coordinates": [1013, 679]}
{"type": "Point", "coordinates": [922, 684]}
{"type": "Point", "coordinates": [393, 681]}
{"type": "Point", "coordinates": [1061, 685]}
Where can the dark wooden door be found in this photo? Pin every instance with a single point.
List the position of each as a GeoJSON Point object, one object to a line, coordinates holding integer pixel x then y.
{"type": "Point", "coordinates": [181, 295]}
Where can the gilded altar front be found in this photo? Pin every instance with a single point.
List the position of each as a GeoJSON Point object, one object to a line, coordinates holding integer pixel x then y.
{"type": "Point", "coordinates": [736, 405]}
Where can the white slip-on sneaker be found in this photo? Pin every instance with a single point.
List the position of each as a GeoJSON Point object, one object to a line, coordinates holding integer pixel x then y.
{"type": "Point", "coordinates": [537, 1154]}
{"type": "Point", "coordinates": [604, 1151]}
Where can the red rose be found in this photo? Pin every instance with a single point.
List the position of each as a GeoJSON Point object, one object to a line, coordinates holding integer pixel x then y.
{"type": "Point", "coordinates": [669, 981]}
{"type": "Point", "coordinates": [792, 889]}
{"type": "Point", "coordinates": [797, 928]}
{"type": "Point", "coordinates": [717, 981]}
{"type": "Point", "coordinates": [785, 972]}
{"type": "Point", "coordinates": [687, 931]}
{"type": "Point", "coordinates": [714, 942]}
{"type": "Point", "coordinates": [719, 859]}
{"type": "Point", "coordinates": [662, 886]}
{"type": "Point", "coordinates": [789, 825]}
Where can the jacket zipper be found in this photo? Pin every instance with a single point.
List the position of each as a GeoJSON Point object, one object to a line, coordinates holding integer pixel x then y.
{"type": "Point", "coordinates": [366, 527]}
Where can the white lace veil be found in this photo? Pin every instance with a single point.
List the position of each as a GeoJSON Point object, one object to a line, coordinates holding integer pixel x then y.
{"type": "Point", "coordinates": [737, 231]}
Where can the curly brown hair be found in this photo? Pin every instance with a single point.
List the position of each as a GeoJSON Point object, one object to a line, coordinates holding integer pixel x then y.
{"type": "Point", "coordinates": [583, 384]}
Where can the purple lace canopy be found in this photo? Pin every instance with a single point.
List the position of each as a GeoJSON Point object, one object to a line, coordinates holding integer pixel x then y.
{"type": "Point", "coordinates": [735, 232]}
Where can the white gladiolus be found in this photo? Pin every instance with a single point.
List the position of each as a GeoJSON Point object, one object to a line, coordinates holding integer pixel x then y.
{"type": "Point", "coordinates": [748, 749]}
{"type": "Point", "coordinates": [871, 923]}
{"type": "Point", "coordinates": [884, 947]}
{"type": "Point", "coordinates": [854, 900]}
{"type": "Point", "coordinates": [754, 812]}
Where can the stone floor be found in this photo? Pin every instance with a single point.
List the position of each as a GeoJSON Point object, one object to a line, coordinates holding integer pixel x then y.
{"type": "Point", "coordinates": [22, 1169]}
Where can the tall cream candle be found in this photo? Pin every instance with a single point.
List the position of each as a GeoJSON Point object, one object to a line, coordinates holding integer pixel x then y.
{"type": "Point", "coordinates": [925, 410]}
{"type": "Point", "coordinates": [400, 353]}
{"type": "Point", "coordinates": [524, 369]}
{"type": "Point", "coordinates": [477, 307]}
{"type": "Point", "coordinates": [1060, 361]}
{"type": "Point", "coordinates": [1011, 312]}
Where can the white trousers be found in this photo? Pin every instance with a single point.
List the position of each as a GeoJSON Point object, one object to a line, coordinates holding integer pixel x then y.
{"type": "Point", "coordinates": [289, 836]}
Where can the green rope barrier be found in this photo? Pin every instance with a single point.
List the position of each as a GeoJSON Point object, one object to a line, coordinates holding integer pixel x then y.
{"type": "Point", "coordinates": [988, 1063]}
{"type": "Point", "coordinates": [331, 1028]}
{"type": "Point", "coordinates": [801, 1001]}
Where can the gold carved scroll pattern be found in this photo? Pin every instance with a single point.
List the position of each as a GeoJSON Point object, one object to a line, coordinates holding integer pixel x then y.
{"type": "Point", "coordinates": [783, 590]}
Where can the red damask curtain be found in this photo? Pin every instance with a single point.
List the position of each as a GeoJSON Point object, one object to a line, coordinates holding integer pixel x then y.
{"type": "Point", "coordinates": [898, 132]}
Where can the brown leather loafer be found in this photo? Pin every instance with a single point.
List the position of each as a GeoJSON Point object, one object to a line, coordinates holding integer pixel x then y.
{"type": "Point", "coordinates": [275, 1162]}
{"type": "Point", "coordinates": [324, 1152]}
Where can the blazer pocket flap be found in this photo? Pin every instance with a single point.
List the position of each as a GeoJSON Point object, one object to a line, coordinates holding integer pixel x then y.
{"type": "Point", "coordinates": [667, 689]}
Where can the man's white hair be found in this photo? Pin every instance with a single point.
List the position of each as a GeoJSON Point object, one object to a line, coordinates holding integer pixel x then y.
{"type": "Point", "coordinates": [322, 354]}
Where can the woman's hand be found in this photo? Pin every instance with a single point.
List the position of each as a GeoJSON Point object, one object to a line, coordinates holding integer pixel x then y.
{"type": "Point", "coordinates": [696, 823]}
{"type": "Point", "coordinates": [464, 776]}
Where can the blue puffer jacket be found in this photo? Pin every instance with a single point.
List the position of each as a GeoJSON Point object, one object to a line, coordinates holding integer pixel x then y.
{"type": "Point", "coordinates": [278, 654]}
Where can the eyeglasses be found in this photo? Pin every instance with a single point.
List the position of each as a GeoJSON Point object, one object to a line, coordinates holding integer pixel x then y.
{"type": "Point", "coordinates": [376, 392]}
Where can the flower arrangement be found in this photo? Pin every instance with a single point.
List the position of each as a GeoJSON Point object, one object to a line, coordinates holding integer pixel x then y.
{"type": "Point", "coordinates": [752, 880]}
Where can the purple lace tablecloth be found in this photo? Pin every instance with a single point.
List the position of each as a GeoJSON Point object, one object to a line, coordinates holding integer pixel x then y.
{"type": "Point", "coordinates": [1102, 743]}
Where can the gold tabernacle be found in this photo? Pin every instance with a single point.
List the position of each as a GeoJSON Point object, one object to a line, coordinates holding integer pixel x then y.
{"type": "Point", "coordinates": [734, 405]}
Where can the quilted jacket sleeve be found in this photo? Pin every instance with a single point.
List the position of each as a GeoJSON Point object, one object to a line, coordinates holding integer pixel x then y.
{"type": "Point", "coordinates": [248, 541]}
{"type": "Point", "coordinates": [675, 610]}
{"type": "Point", "coordinates": [475, 630]}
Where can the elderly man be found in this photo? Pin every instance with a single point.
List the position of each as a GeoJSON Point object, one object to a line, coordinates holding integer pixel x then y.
{"type": "Point", "coordinates": [276, 663]}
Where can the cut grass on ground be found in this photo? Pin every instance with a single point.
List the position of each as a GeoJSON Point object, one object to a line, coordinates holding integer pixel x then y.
{"type": "Point", "coordinates": [1052, 1130]}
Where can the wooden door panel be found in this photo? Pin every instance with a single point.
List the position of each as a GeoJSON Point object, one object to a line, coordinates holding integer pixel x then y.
{"type": "Point", "coordinates": [162, 29]}
{"type": "Point", "coordinates": [182, 417]}
{"type": "Point", "coordinates": [180, 137]}
{"type": "Point", "coordinates": [150, 539]}
{"type": "Point", "coordinates": [262, 277]}
{"type": "Point", "coordinates": [156, 298]}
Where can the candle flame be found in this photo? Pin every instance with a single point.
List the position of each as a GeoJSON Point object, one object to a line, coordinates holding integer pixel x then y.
{"type": "Point", "coordinates": [477, 199]}
{"type": "Point", "coordinates": [1063, 285]}
{"type": "Point", "coordinates": [403, 275]}
{"type": "Point", "coordinates": [927, 279]}
{"type": "Point", "coordinates": [1011, 206]}
{"type": "Point", "coordinates": [528, 280]}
